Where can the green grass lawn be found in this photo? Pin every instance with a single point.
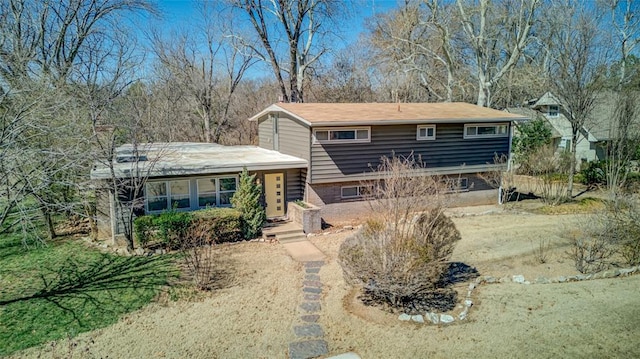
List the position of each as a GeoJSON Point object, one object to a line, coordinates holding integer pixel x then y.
{"type": "Point", "coordinates": [63, 288]}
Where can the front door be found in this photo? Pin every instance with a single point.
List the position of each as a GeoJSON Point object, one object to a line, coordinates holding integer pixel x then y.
{"type": "Point", "coordinates": [274, 194]}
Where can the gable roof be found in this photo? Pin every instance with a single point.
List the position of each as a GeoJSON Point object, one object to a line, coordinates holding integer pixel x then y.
{"type": "Point", "coordinates": [345, 114]}
{"type": "Point", "coordinates": [546, 100]}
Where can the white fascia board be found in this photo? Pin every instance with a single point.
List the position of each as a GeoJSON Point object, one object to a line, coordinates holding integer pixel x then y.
{"type": "Point", "coordinates": [276, 108]}
{"type": "Point", "coordinates": [161, 171]}
{"type": "Point", "coordinates": [413, 122]}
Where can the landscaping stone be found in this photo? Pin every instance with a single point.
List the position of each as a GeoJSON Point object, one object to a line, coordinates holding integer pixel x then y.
{"type": "Point", "coordinates": [417, 318]}
{"type": "Point", "coordinates": [446, 318]}
{"type": "Point", "coordinates": [312, 290]}
{"type": "Point", "coordinates": [542, 280]}
{"type": "Point", "coordinates": [311, 307]}
{"type": "Point", "coordinates": [312, 277]}
{"type": "Point", "coordinates": [404, 317]}
{"type": "Point", "coordinates": [310, 318]}
{"type": "Point", "coordinates": [490, 279]}
{"type": "Point", "coordinates": [308, 349]}
{"type": "Point", "coordinates": [562, 279]}
{"type": "Point", "coordinates": [472, 286]}
{"type": "Point", "coordinates": [347, 227]}
{"type": "Point", "coordinates": [313, 270]}
{"type": "Point", "coordinates": [433, 317]}
{"type": "Point", "coordinates": [312, 283]}
{"type": "Point", "coordinates": [311, 296]}
{"type": "Point", "coordinates": [463, 314]}
{"type": "Point", "coordinates": [313, 264]}
{"type": "Point", "coordinates": [468, 303]}
{"type": "Point", "coordinates": [518, 279]}
{"type": "Point", "coordinates": [308, 330]}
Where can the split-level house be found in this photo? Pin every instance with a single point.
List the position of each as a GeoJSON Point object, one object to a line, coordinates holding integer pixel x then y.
{"type": "Point", "coordinates": [344, 142]}
{"type": "Point", "coordinates": [322, 153]}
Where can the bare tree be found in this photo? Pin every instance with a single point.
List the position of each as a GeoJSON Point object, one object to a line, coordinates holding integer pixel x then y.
{"type": "Point", "coordinates": [577, 68]}
{"type": "Point", "coordinates": [497, 34]}
{"type": "Point", "coordinates": [625, 138]}
{"type": "Point", "coordinates": [626, 25]}
{"type": "Point", "coordinates": [293, 27]}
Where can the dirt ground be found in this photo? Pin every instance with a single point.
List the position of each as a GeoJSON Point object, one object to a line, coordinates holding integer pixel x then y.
{"type": "Point", "coordinates": [252, 313]}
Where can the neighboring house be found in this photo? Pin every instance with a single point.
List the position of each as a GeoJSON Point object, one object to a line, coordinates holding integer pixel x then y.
{"type": "Point", "coordinates": [549, 108]}
{"type": "Point", "coordinates": [344, 142]}
{"type": "Point", "coordinates": [322, 153]}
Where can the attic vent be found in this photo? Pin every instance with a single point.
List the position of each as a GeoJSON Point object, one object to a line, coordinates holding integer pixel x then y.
{"type": "Point", "coordinates": [130, 158]}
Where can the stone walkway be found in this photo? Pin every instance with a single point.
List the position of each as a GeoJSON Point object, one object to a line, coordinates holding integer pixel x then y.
{"type": "Point", "coordinates": [309, 334]}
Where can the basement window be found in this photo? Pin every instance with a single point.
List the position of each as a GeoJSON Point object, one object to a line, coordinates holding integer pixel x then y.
{"type": "Point", "coordinates": [355, 191]}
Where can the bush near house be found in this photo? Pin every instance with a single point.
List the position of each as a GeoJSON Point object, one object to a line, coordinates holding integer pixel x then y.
{"type": "Point", "coordinates": [247, 200]}
{"type": "Point", "coordinates": [171, 228]}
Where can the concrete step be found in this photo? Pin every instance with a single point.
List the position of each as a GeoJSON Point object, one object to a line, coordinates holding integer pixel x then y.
{"type": "Point", "coordinates": [292, 237]}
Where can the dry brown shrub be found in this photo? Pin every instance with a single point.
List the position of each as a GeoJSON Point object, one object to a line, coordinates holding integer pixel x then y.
{"type": "Point", "coordinates": [197, 251]}
{"type": "Point", "coordinates": [400, 255]}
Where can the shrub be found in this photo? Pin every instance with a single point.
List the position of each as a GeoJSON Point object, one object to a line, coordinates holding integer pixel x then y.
{"type": "Point", "coordinates": [401, 272]}
{"type": "Point", "coordinates": [593, 174]}
{"type": "Point", "coordinates": [173, 226]}
{"type": "Point", "coordinates": [400, 254]}
{"type": "Point", "coordinates": [224, 224]}
{"type": "Point", "coordinates": [247, 201]}
{"type": "Point", "coordinates": [143, 229]}
{"type": "Point", "coordinates": [590, 252]}
{"type": "Point", "coordinates": [197, 253]}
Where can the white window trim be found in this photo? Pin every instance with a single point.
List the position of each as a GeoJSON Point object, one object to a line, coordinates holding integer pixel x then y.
{"type": "Point", "coordinates": [218, 191]}
{"type": "Point", "coordinates": [168, 196]}
{"type": "Point", "coordinates": [426, 138]}
{"type": "Point", "coordinates": [505, 134]}
{"type": "Point", "coordinates": [329, 129]}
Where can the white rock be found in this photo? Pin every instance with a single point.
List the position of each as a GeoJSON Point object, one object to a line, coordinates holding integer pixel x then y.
{"type": "Point", "coordinates": [472, 286]}
{"type": "Point", "coordinates": [404, 317]}
{"type": "Point", "coordinates": [446, 318]}
{"type": "Point", "coordinates": [417, 318]}
{"type": "Point", "coordinates": [348, 227]}
{"type": "Point", "coordinates": [518, 279]}
{"type": "Point", "coordinates": [468, 303]}
{"type": "Point", "coordinates": [433, 317]}
{"type": "Point", "coordinates": [463, 314]}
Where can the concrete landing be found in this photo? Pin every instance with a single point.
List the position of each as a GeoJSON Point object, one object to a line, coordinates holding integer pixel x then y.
{"type": "Point", "coordinates": [304, 251]}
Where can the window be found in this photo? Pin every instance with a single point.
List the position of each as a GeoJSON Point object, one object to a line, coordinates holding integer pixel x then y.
{"type": "Point", "coordinates": [554, 110]}
{"type": "Point", "coordinates": [355, 191]}
{"type": "Point", "coordinates": [426, 132]}
{"type": "Point", "coordinates": [460, 184]}
{"type": "Point", "coordinates": [486, 130]}
{"type": "Point", "coordinates": [214, 192]}
{"type": "Point", "coordinates": [165, 195]}
{"type": "Point", "coordinates": [338, 135]}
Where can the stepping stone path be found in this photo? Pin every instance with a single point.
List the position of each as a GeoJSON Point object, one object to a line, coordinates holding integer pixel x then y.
{"type": "Point", "coordinates": [309, 334]}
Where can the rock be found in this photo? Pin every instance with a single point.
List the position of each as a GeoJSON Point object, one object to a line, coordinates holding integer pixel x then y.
{"type": "Point", "coordinates": [308, 330]}
{"type": "Point", "coordinates": [562, 279]}
{"type": "Point", "coordinates": [468, 303]}
{"type": "Point", "coordinates": [446, 318]}
{"type": "Point", "coordinates": [542, 280]}
{"type": "Point", "coordinates": [326, 233]}
{"type": "Point", "coordinates": [312, 277]}
{"type": "Point", "coordinates": [472, 286]}
{"type": "Point", "coordinates": [417, 318]}
{"type": "Point", "coordinates": [313, 264]}
{"type": "Point", "coordinates": [518, 279]}
{"type": "Point", "coordinates": [312, 283]}
{"type": "Point", "coordinates": [313, 270]}
{"type": "Point", "coordinates": [505, 280]}
{"type": "Point", "coordinates": [349, 355]}
{"type": "Point", "coordinates": [311, 235]}
{"type": "Point", "coordinates": [310, 318]}
{"type": "Point", "coordinates": [158, 251]}
{"type": "Point", "coordinates": [139, 251]}
{"type": "Point", "coordinates": [627, 271]}
{"type": "Point", "coordinates": [433, 317]}
{"type": "Point", "coordinates": [308, 349]}
{"type": "Point", "coordinates": [312, 290]}
{"type": "Point", "coordinates": [404, 317]}
{"type": "Point", "coordinates": [308, 296]}
{"type": "Point", "coordinates": [310, 307]}
{"type": "Point", "coordinates": [347, 228]}
{"type": "Point", "coordinates": [463, 314]}
{"type": "Point", "coordinates": [490, 279]}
